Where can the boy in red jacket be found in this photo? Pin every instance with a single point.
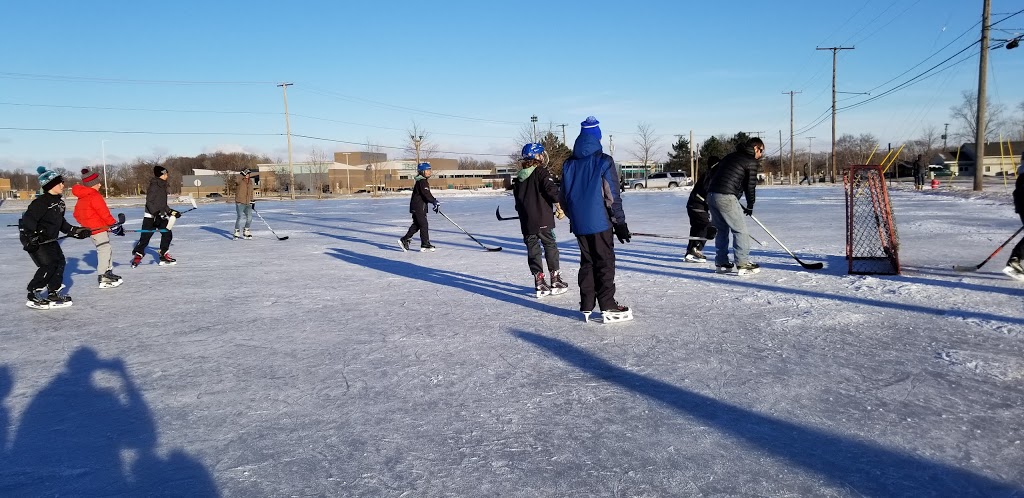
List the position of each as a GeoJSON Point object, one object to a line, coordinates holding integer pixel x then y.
{"type": "Point", "coordinates": [92, 212]}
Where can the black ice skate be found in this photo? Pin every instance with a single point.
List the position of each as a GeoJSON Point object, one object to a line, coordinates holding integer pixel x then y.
{"type": "Point", "coordinates": [695, 256]}
{"type": "Point", "coordinates": [558, 286]}
{"type": "Point", "coordinates": [404, 244]}
{"type": "Point", "coordinates": [542, 287]}
{"type": "Point", "coordinates": [166, 259]}
{"type": "Point", "coordinates": [108, 280]}
{"type": "Point", "coordinates": [57, 300]}
{"type": "Point", "coordinates": [748, 269]}
{"type": "Point", "coordinates": [37, 301]}
{"type": "Point", "coordinates": [428, 247]}
{"type": "Point", "coordinates": [1014, 269]}
{"type": "Point", "coordinates": [726, 268]}
{"type": "Point", "coordinates": [619, 313]}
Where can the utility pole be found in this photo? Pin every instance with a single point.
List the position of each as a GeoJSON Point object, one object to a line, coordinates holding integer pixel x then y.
{"type": "Point", "coordinates": [979, 132]}
{"type": "Point", "coordinates": [693, 158]}
{"type": "Point", "coordinates": [288, 130]}
{"type": "Point", "coordinates": [782, 167]}
{"type": "Point", "coordinates": [810, 168]}
{"type": "Point", "coordinates": [563, 134]}
{"type": "Point", "coordinates": [533, 119]}
{"type": "Point", "coordinates": [348, 180]}
{"type": "Point", "coordinates": [945, 133]}
{"type": "Point", "coordinates": [106, 187]}
{"type": "Point", "coordinates": [416, 139]}
{"type": "Point", "coordinates": [792, 160]}
{"type": "Point", "coordinates": [834, 51]}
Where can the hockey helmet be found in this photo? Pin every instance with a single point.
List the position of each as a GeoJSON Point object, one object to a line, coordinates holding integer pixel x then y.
{"type": "Point", "coordinates": [421, 167]}
{"type": "Point", "coordinates": [533, 151]}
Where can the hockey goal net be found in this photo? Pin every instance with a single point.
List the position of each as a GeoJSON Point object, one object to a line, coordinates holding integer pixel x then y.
{"type": "Point", "coordinates": [872, 243]}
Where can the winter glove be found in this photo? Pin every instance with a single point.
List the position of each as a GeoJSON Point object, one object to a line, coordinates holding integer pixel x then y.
{"type": "Point", "coordinates": [80, 232]}
{"type": "Point", "coordinates": [622, 232]}
{"type": "Point", "coordinates": [33, 243]}
{"type": "Point", "coordinates": [117, 229]}
{"type": "Point", "coordinates": [437, 207]}
{"type": "Point", "coordinates": [175, 214]}
{"type": "Point", "coordinates": [748, 211]}
{"type": "Point", "coordinates": [559, 213]}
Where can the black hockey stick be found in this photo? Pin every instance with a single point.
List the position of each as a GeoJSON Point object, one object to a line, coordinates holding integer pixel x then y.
{"type": "Point", "coordinates": [268, 226]}
{"type": "Point", "coordinates": [990, 256]}
{"type": "Point", "coordinates": [807, 266]}
{"type": "Point", "coordinates": [490, 249]}
{"type": "Point", "coordinates": [497, 212]}
{"type": "Point", "coordinates": [677, 237]}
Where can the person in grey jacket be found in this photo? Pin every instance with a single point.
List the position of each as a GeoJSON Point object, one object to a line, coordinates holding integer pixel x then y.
{"type": "Point", "coordinates": [735, 176]}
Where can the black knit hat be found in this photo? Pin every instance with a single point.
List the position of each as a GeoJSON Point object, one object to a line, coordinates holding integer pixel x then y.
{"type": "Point", "coordinates": [159, 171]}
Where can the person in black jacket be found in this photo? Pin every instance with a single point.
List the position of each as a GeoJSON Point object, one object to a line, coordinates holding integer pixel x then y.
{"type": "Point", "coordinates": [421, 196]}
{"type": "Point", "coordinates": [157, 218]}
{"type": "Point", "coordinates": [39, 228]}
{"type": "Point", "coordinates": [735, 176]}
{"type": "Point", "coordinates": [537, 204]}
{"type": "Point", "coordinates": [1015, 265]}
{"type": "Point", "coordinates": [700, 220]}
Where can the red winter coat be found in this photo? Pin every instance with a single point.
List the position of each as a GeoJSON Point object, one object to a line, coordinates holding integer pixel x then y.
{"type": "Point", "coordinates": [91, 209]}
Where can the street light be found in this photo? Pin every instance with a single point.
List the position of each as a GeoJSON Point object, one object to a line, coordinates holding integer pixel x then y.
{"type": "Point", "coordinates": [106, 187]}
{"type": "Point", "coordinates": [533, 119]}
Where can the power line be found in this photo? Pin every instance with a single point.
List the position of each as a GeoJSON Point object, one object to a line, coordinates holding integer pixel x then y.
{"type": "Point", "coordinates": [141, 132]}
{"type": "Point", "coordinates": [91, 79]}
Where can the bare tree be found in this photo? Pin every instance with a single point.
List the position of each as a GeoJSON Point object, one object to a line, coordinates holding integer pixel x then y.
{"type": "Point", "coordinates": [420, 140]}
{"type": "Point", "coordinates": [852, 149]}
{"type": "Point", "coordinates": [318, 166]}
{"type": "Point", "coordinates": [926, 144]}
{"type": "Point", "coordinates": [966, 115]}
{"type": "Point", "coordinates": [646, 147]}
{"type": "Point", "coordinates": [376, 168]}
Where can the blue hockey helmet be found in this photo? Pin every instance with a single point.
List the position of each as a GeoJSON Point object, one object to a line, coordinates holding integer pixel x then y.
{"type": "Point", "coordinates": [421, 167]}
{"type": "Point", "coordinates": [533, 151]}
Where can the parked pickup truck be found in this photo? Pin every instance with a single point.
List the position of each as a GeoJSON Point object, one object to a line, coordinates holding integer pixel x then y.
{"type": "Point", "coordinates": [662, 180]}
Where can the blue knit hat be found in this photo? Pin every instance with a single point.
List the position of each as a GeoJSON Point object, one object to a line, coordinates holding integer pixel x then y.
{"type": "Point", "coordinates": [590, 127]}
{"type": "Point", "coordinates": [48, 179]}
{"type": "Point", "coordinates": [423, 167]}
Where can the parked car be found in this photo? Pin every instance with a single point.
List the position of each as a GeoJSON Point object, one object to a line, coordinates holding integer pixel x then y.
{"type": "Point", "coordinates": [214, 195]}
{"type": "Point", "coordinates": [666, 179]}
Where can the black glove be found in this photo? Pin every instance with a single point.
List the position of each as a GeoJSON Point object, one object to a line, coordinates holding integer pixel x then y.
{"type": "Point", "coordinates": [118, 230]}
{"type": "Point", "coordinates": [175, 214]}
{"type": "Point", "coordinates": [437, 207]}
{"type": "Point", "coordinates": [80, 232]}
{"type": "Point", "coordinates": [33, 243]}
{"type": "Point", "coordinates": [748, 211]}
{"type": "Point", "coordinates": [622, 232]}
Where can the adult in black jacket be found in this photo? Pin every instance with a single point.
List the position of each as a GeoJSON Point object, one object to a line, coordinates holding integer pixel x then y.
{"type": "Point", "coordinates": [735, 176]}
{"type": "Point", "coordinates": [537, 204]}
{"type": "Point", "coordinates": [156, 218]}
{"type": "Point", "coordinates": [698, 211]}
{"type": "Point", "coordinates": [1015, 266]}
{"type": "Point", "coordinates": [40, 226]}
{"type": "Point", "coordinates": [421, 196]}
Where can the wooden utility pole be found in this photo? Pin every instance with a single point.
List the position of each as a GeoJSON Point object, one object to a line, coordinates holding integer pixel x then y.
{"type": "Point", "coordinates": [693, 159]}
{"type": "Point", "coordinates": [834, 51]}
{"type": "Point", "coordinates": [288, 130]}
{"type": "Point", "coordinates": [979, 126]}
{"type": "Point", "coordinates": [792, 167]}
{"type": "Point", "coordinates": [810, 167]}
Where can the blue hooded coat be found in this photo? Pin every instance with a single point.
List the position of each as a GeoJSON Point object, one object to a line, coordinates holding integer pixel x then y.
{"type": "Point", "coordinates": [590, 188]}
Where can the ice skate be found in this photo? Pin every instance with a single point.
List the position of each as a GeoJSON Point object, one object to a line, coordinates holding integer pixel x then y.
{"type": "Point", "coordinates": [695, 256]}
{"type": "Point", "coordinates": [57, 300]}
{"type": "Point", "coordinates": [542, 287]}
{"type": "Point", "coordinates": [558, 286]}
{"type": "Point", "coordinates": [723, 269]}
{"type": "Point", "coordinates": [1014, 269]}
{"type": "Point", "coordinates": [247, 234]}
{"type": "Point", "coordinates": [428, 247]}
{"type": "Point", "coordinates": [619, 313]}
{"type": "Point", "coordinates": [136, 259]}
{"type": "Point", "coordinates": [238, 235]}
{"type": "Point", "coordinates": [36, 301]}
{"type": "Point", "coordinates": [166, 260]}
{"type": "Point", "coordinates": [108, 280]}
{"type": "Point", "coordinates": [747, 269]}
{"type": "Point", "coordinates": [404, 244]}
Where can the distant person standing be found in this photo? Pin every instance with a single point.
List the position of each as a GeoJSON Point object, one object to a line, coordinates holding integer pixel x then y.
{"type": "Point", "coordinates": [156, 218]}
{"type": "Point", "coordinates": [807, 174]}
{"type": "Point", "coordinates": [1015, 266]}
{"type": "Point", "coordinates": [92, 212]}
{"type": "Point", "coordinates": [697, 211]}
{"type": "Point", "coordinates": [244, 202]}
{"type": "Point", "coordinates": [920, 173]}
{"type": "Point", "coordinates": [421, 196]}
{"type": "Point", "coordinates": [537, 204]}
{"type": "Point", "coordinates": [735, 176]}
{"type": "Point", "coordinates": [590, 197]}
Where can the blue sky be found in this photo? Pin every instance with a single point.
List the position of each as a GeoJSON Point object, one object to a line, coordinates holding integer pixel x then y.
{"type": "Point", "coordinates": [200, 76]}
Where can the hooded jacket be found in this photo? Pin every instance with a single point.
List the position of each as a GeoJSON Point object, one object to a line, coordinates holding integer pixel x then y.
{"type": "Point", "coordinates": [91, 210]}
{"type": "Point", "coordinates": [590, 188]}
{"type": "Point", "coordinates": [156, 198]}
{"type": "Point", "coordinates": [421, 195]}
{"type": "Point", "coordinates": [1018, 192]}
{"type": "Point", "coordinates": [535, 191]}
{"type": "Point", "coordinates": [243, 189]}
{"type": "Point", "coordinates": [736, 175]}
{"type": "Point", "coordinates": [45, 216]}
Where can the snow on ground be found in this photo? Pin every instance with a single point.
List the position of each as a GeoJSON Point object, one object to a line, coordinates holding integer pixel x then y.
{"type": "Point", "coordinates": [333, 364]}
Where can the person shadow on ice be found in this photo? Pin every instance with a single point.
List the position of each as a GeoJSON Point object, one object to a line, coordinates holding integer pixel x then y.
{"type": "Point", "coordinates": [89, 432]}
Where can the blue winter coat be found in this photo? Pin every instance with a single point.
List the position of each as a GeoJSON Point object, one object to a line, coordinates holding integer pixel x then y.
{"type": "Point", "coordinates": [590, 188]}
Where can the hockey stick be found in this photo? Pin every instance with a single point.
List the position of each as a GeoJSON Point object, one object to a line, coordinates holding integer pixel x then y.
{"type": "Point", "coordinates": [490, 249]}
{"type": "Point", "coordinates": [497, 212]}
{"type": "Point", "coordinates": [677, 237]}
{"type": "Point", "coordinates": [120, 221]}
{"type": "Point", "coordinates": [990, 256]}
{"type": "Point", "coordinates": [194, 206]}
{"type": "Point", "coordinates": [807, 266]}
{"type": "Point", "coordinates": [268, 226]}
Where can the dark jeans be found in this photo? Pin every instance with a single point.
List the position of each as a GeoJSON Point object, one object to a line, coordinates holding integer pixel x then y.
{"type": "Point", "coordinates": [700, 226]}
{"type": "Point", "coordinates": [534, 241]}
{"type": "Point", "coordinates": [49, 258]}
{"type": "Point", "coordinates": [597, 270]}
{"type": "Point", "coordinates": [153, 224]}
{"type": "Point", "coordinates": [1018, 250]}
{"type": "Point", "coordinates": [419, 224]}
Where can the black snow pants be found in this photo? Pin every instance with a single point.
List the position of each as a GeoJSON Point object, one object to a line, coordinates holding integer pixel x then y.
{"type": "Point", "coordinates": [153, 224]}
{"type": "Point", "coordinates": [534, 241]}
{"type": "Point", "coordinates": [49, 258]}
{"type": "Point", "coordinates": [700, 226]}
{"type": "Point", "coordinates": [419, 224]}
{"type": "Point", "coordinates": [597, 271]}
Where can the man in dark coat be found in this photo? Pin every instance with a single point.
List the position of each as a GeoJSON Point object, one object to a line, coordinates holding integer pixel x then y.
{"type": "Point", "coordinates": [735, 176]}
{"type": "Point", "coordinates": [1015, 266]}
{"type": "Point", "coordinates": [421, 196]}
{"type": "Point", "coordinates": [590, 197]}
{"type": "Point", "coordinates": [39, 228]}
{"type": "Point", "coordinates": [700, 219]}
{"type": "Point", "coordinates": [537, 204]}
{"type": "Point", "coordinates": [157, 218]}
